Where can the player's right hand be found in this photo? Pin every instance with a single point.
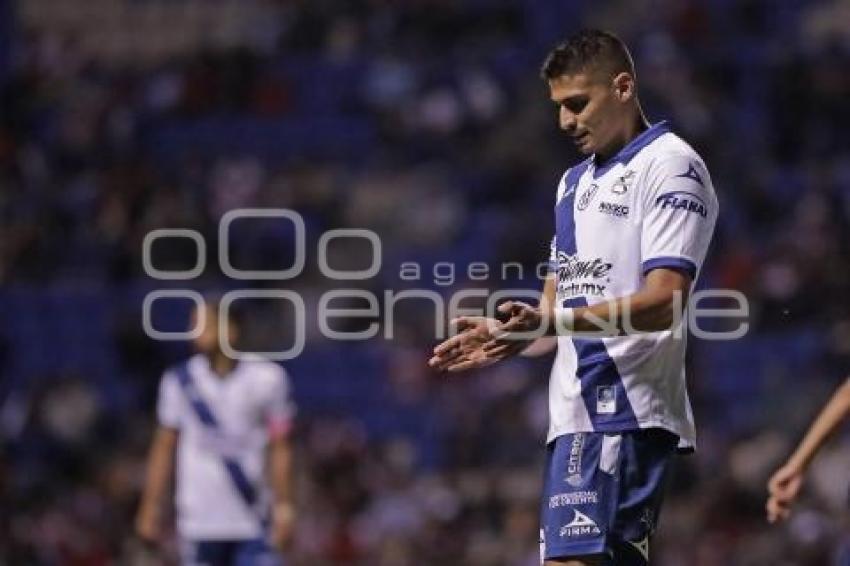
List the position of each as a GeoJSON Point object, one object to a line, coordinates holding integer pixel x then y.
{"type": "Point", "coordinates": [465, 350]}
{"type": "Point", "coordinates": [784, 487]}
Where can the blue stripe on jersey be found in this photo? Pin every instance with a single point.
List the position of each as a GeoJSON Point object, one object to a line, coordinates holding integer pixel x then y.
{"type": "Point", "coordinates": [600, 379]}
{"type": "Point", "coordinates": [204, 413]}
{"type": "Point", "coordinates": [565, 234]}
{"type": "Point", "coordinates": [676, 263]}
{"type": "Point", "coordinates": [596, 370]}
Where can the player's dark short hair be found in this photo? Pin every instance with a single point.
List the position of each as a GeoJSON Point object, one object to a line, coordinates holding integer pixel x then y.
{"type": "Point", "coordinates": [587, 51]}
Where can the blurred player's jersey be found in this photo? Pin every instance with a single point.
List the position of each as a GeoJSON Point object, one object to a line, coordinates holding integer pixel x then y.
{"type": "Point", "coordinates": [250, 405]}
{"type": "Point", "coordinates": [652, 205]}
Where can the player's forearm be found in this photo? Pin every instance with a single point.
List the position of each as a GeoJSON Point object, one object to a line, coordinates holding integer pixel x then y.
{"type": "Point", "coordinates": [539, 347]}
{"type": "Point", "coordinates": [544, 344]}
{"type": "Point", "coordinates": [280, 469]}
{"type": "Point", "coordinates": [644, 311]}
{"type": "Point", "coordinates": [160, 470]}
{"type": "Point", "coordinates": [830, 417]}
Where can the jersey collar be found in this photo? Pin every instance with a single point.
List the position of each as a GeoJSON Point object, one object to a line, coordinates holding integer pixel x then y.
{"type": "Point", "coordinates": [632, 148]}
{"type": "Point", "coordinates": [205, 363]}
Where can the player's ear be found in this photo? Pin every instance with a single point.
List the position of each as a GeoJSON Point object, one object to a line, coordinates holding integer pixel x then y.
{"type": "Point", "coordinates": [624, 87]}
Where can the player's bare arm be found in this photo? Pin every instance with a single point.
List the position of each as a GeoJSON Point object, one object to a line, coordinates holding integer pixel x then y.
{"type": "Point", "coordinates": [483, 341]}
{"type": "Point", "coordinates": [544, 344]}
{"type": "Point", "coordinates": [160, 471]}
{"type": "Point", "coordinates": [654, 307]}
{"type": "Point", "coordinates": [280, 472]}
{"type": "Point", "coordinates": [784, 486]}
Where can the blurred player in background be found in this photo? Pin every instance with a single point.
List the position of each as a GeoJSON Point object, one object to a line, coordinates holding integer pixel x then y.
{"type": "Point", "coordinates": [785, 484]}
{"type": "Point", "coordinates": [227, 422]}
{"type": "Point", "coordinates": [633, 224]}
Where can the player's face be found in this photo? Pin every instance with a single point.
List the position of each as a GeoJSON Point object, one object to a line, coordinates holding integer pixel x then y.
{"type": "Point", "coordinates": [207, 342]}
{"type": "Point", "coordinates": [590, 110]}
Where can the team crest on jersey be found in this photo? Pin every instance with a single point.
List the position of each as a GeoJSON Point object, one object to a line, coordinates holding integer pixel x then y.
{"type": "Point", "coordinates": [623, 183]}
{"type": "Point", "coordinates": [587, 196]}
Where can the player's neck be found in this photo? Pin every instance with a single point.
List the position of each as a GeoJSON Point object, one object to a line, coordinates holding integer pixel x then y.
{"type": "Point", "coordinates": [221, 364]}
{"type": "Point", "coordinates": [632, 129]}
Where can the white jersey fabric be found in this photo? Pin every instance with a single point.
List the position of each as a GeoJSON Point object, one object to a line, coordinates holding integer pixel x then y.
{"type": "Point", "coordinates": [650, 206]}
{"type": "Point", "coordinates": [250, 404]}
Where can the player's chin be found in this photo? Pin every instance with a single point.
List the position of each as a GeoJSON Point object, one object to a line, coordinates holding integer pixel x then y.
{"type": "Point", "coordinates": [586, 148]}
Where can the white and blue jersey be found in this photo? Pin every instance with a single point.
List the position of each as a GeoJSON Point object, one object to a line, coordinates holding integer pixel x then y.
{"type": "Point", "coordinates": [225, 425]}
{"type": "Point", "coordinates": [650, 206]}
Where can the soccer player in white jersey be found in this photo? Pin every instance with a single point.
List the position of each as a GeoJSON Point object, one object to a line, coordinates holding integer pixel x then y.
{"type": "Point", "coordinates": [633, 223]}
{"type": "Point", "coordinates": [224, 425]}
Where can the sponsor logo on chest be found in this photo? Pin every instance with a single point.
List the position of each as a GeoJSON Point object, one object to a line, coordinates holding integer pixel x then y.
{"type": "Point", "coordinates": [573, 268]}
{"type": "Point", "coordinates": [614, 209]}
{"type": "Point", "coordinates": [582, 277]}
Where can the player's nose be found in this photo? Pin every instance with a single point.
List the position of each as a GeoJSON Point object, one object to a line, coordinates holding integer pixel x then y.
{"type": "Point", "coordinates": [568, 120]}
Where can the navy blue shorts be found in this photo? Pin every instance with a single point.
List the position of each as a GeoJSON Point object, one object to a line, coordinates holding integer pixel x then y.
{"type": "Point", "coordinates": [252, 552]}
{"type": "Point", "coordinates": [602, 494]}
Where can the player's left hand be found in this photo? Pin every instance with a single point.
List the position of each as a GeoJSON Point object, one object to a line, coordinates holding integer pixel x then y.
{"type": "Point", "coordinates": [523, 318]}
{"type": "Point", "coordinates": [465, 350]}
{"type": "Point", "coordinates": [283, 525]}
{"type": "Point", "coordinates": [509, 338]}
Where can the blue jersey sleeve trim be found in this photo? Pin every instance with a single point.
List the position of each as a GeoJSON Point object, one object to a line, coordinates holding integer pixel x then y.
{"type": "Point", "coordinates": [676, 263]}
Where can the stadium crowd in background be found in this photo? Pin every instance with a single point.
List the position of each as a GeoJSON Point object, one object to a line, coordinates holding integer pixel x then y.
{"type": "Point", "coordinates": [425, 122]}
